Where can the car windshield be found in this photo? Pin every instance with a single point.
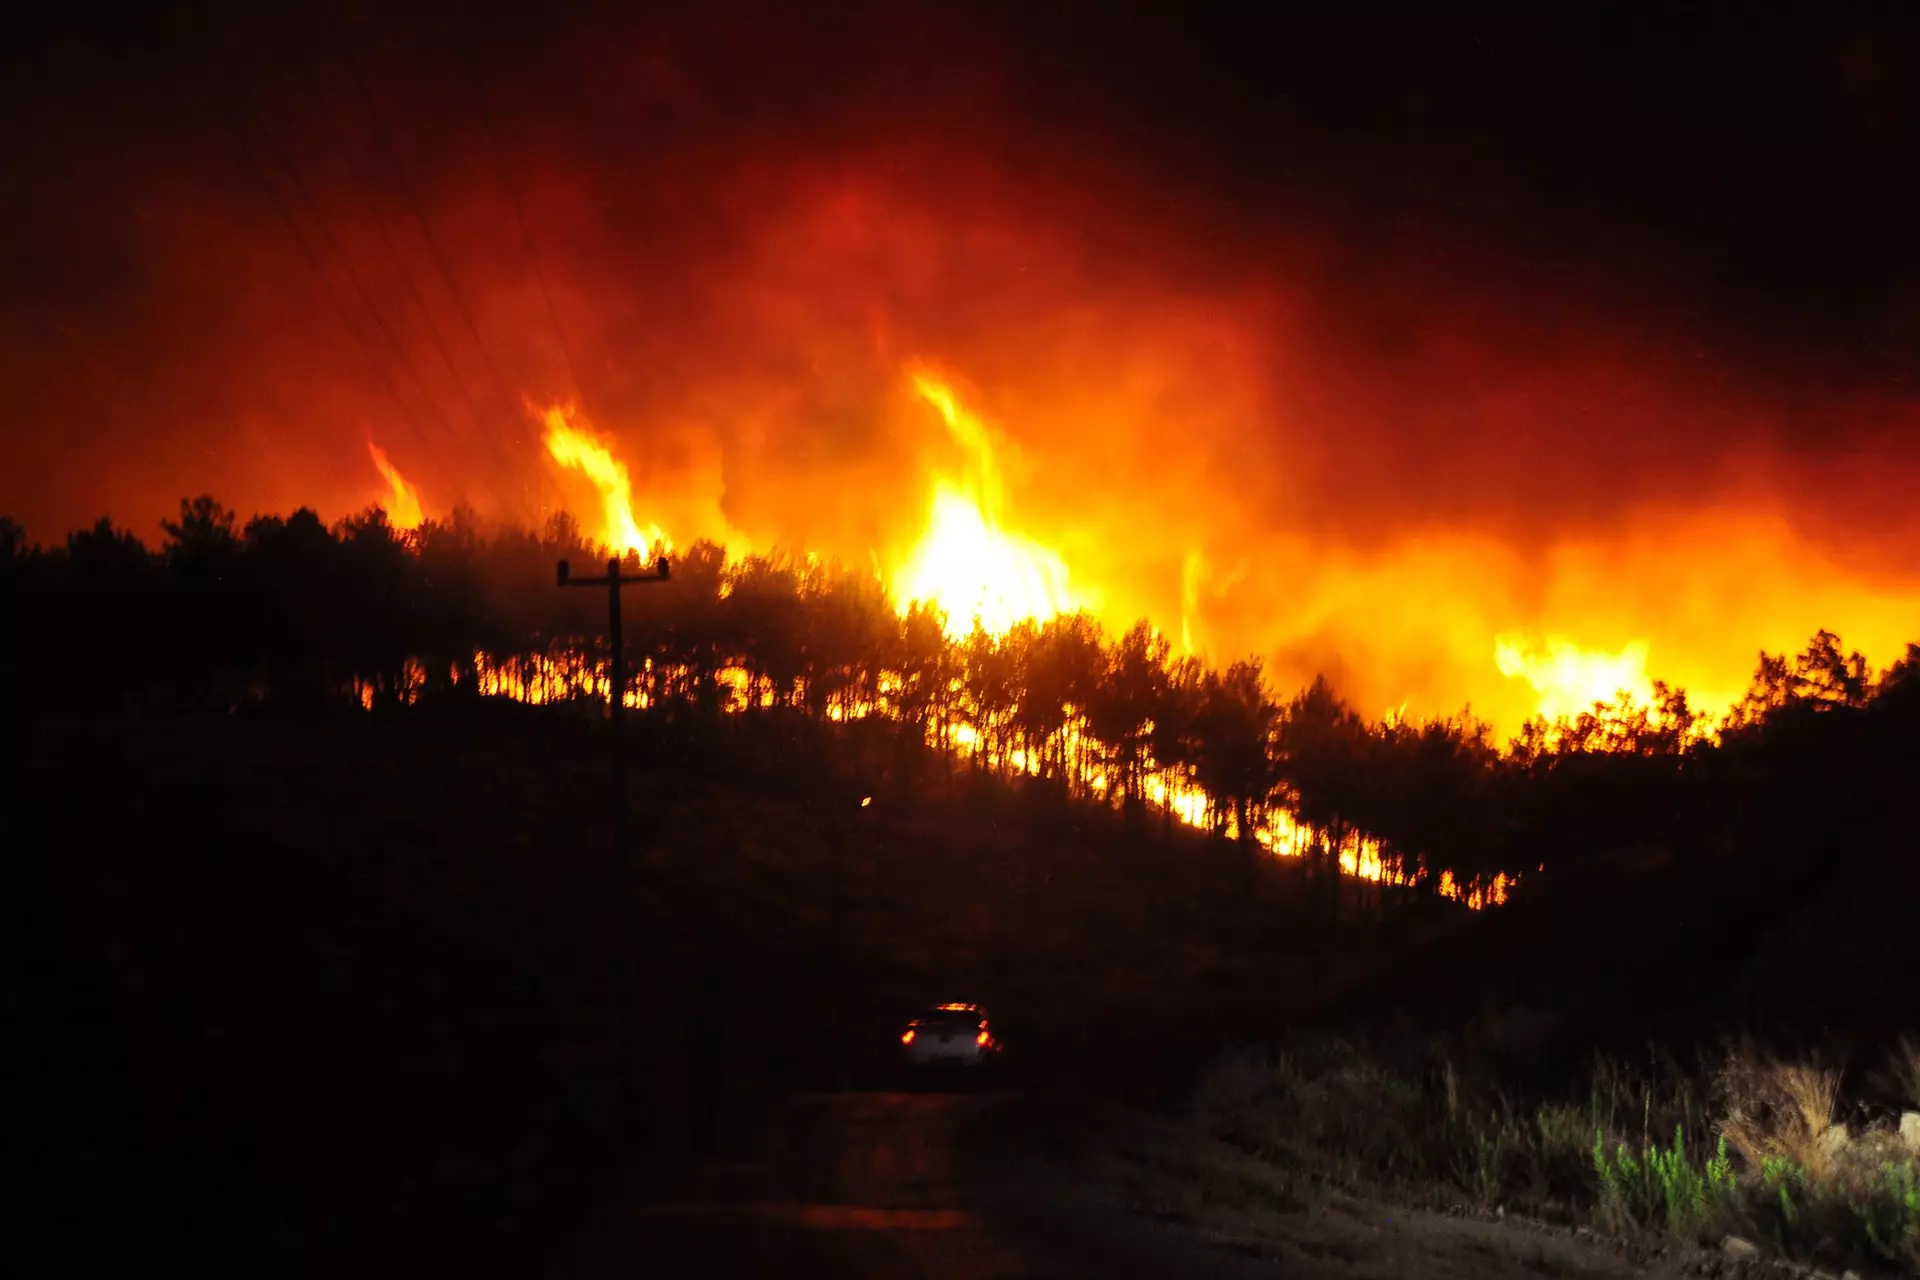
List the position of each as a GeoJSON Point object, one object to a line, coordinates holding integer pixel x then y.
{"type": "Point", "coordinates": [941, 1019]}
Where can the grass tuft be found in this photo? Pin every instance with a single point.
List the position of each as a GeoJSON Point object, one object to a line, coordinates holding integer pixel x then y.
{"type": "Point", "coordinates": [1646, 1149]}
{"type": "Point", "coordinates": [1775, 1111]}
{"type": "Point", "coordinates": [1905, 1070]}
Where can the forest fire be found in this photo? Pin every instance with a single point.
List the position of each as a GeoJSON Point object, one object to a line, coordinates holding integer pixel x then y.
{"type": "Point", "coordinates": [403, 500]}
{"type": "Point", "coordinates": [572, 445]}
{"type": "Point", "coordinates": [567, 568]}
{"type": "Point", "coordinates": [1440, 478]}
{"type": "Point", "coordinates": [1452, 603]}
{"type": "Point", "coordinates": [967, 563]}
{"type": "Point", "coordinates": [1570, 679]}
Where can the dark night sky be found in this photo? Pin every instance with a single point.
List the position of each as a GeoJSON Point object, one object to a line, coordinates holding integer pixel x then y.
{"type": "Point", "coordinates": [1754, 173]}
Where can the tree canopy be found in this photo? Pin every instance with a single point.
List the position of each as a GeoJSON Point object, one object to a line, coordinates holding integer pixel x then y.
{"type": "Point", "coordinates": [295, 612]}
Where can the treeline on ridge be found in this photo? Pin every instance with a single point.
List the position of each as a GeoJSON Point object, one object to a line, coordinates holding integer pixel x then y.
{"type": "Point", "coordinates": [290, 611]}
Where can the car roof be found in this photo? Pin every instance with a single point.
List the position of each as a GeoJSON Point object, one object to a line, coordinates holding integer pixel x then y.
{"type": "Point", "coordinates": [949, 1009]}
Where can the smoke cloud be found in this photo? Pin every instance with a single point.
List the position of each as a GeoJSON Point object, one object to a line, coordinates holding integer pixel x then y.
{"type": "Point", "coordinates": [1368, 447]}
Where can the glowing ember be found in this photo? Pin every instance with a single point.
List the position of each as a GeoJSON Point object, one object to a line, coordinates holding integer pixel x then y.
{"type": "Point", "coordinates": [574, 445]}
{"type": "Point", "coordinates": [403, 507]}
{"type": "Point", "coordinates": [1570, 679]}
{"type": "Point", "coordinates": [966, 563]}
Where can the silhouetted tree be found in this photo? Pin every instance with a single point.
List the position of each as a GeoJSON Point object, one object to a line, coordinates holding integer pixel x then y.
{"type": "Point", "coordinates": [205, 641]}
{"type": "Point", "coordinates": [1121, 708]}
{"type": "Point", "coordinates": [450, 627]}
{"type": "Point", "coordinates": [989, 678]}
{"type": "Point", "coordinates": [684, 630]}
{"type": "Point", "coordinates": [763, 610]}
{"type": "Point", "coordinates": [1174, 738]}
{"type": "Point", "coordinates": [1056, 669]}
{"type": "Point", "coordinates": [1806, 774]}
{"type": "Point", "coordinates": [383, 606]}
{"type": "Point", "coordinates": [1234, 734]}
{"type": "Point", "coordinates": [1323, 757]}
{"type": "Point", "coordinates": [13, 543]}
{"type": "Point", "coordinates": [103, 613]}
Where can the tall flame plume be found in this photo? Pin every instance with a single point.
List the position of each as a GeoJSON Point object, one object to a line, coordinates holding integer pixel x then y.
{"type": "Point", "coordinates": [1570, 679]}
{"type": "Point", "coordinates": [572, 444]}
{"type": "Point", "coordinates": [967, 563]}
{"type": "Point", "coordinates": [403, 503]}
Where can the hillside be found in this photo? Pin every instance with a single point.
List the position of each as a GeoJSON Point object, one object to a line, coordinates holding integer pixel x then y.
{"type": "Point", "coordinates": [340, 986]}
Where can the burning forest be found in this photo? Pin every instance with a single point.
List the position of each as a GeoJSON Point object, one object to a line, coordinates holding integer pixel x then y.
{"type": "Point", "coordinates": [1181, 477]}
{"type": "Point", "coordinates": [1024, 686]}
{"type": "Point", "coordinates": [1437, 477]}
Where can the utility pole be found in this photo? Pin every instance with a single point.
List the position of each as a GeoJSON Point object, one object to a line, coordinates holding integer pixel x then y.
{"type": "Point", "coordinates": [624, 861]}
{"type": "Point", "coordinates": [840, 815]}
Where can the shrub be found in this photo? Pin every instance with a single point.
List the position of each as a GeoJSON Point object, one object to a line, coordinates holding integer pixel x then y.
{"type": "Point", "coordinates": [1783, 1184]}
{"type": "Point", "coordinates": [1778, 1111]}
{"type": "Point", "coordinates": [1484, 1156]}
{"type": "Point", "coordinates": [1662, 1188]}
{"type": "Point", "coordinates": [1324, 1107]}
{"type": "Point", "coordinates": [1778, 1168]}
{"type": "Point", "coordinates": [1888, 1210]}
{"type": "Point", "coordinates": [1906, 1070]}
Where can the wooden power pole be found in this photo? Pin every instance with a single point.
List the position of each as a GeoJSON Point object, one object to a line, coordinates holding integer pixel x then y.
{"type": "Point", "coordinates": [625, 859]}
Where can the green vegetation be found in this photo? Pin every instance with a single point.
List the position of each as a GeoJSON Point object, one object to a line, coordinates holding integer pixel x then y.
{"type": "Point", "coordinates": [1367, 1123]}
{"type": "Point", "coordinates": [1655, 1187]}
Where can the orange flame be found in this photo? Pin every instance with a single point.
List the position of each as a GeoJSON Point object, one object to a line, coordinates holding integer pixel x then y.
{"type": "Point", "coordinates": [966, 563]}
{"type": "Point", "coordinates": [1570, 679]}
{"type": "Point", "coordinates": [1190, 571]}
{"type": "Point", "coordinates": [576, 447]}
{"type": "Point", "coordinates": [403, 506]}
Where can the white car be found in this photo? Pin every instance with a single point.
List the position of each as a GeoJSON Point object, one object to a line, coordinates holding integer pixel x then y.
{"type": "Point", "coordinates": [949, 1035]}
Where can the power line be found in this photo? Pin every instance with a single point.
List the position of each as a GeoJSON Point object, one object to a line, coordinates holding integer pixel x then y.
{"type": "Point", "coordinates": [251, 105]}
{"type": "Point", "coordinates": [526, 236]}
{"type": "Point", "coordinates": [393, 250]}
{"type": "Point", "coordinates": [326, 281]}
{"type": "Point", "coordinates": [393, 340]}
{"type": "Point", "coordinates": [383, 130]}
{"type": "Point", "coordinates": [413, 289]}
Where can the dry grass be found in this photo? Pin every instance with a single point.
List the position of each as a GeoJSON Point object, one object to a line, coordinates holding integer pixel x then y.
{"type": "Point", "coordinates": [1646, 1150]}
{"type": "Point", "coordinates": [1779, 1111]}
{"type": "Point", "coordinates": [1905, 1070]}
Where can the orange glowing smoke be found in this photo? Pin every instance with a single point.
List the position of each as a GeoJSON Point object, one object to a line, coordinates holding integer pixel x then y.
{"type": "Point", "coordinates": [403, 506]}
{"type": "Point", "coordinates": [575, 446]}
{"type": "Point", "coordinates": [1570, 679]}
{"type": "Point", "coordinates": [966, 563]}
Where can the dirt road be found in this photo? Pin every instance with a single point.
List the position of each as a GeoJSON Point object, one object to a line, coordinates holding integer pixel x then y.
{"type": "Point", "coordinates": [943, 1186]}
{"type": "Point", "coordinates": [866, 1184]}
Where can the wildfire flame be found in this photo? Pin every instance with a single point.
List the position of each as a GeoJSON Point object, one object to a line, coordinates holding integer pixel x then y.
{"type": "Point", "coordinates": [1190, 570]}
{"type": "Point", "coordinates": [572, 444]}
{"type": "Point", "coordinates": [403, 506]}
{"type": "Point", "coordinates": [1570, 679]}
{"type": "Point", "coordinates": [967, 563]}
{"type": "Point", "coordinates": [971, 564]}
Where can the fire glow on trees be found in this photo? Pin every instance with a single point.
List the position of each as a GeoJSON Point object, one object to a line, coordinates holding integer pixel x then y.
{"type": "Point", "coordinates": [1308, 409]}
{"type": "Point", "coordinates": [971, 561]}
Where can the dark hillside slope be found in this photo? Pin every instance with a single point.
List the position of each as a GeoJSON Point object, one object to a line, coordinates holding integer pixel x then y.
{"type": "Point", "coordinates": [1793, 922]}
{"type": "Point", "coordinates": [336, 994]}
